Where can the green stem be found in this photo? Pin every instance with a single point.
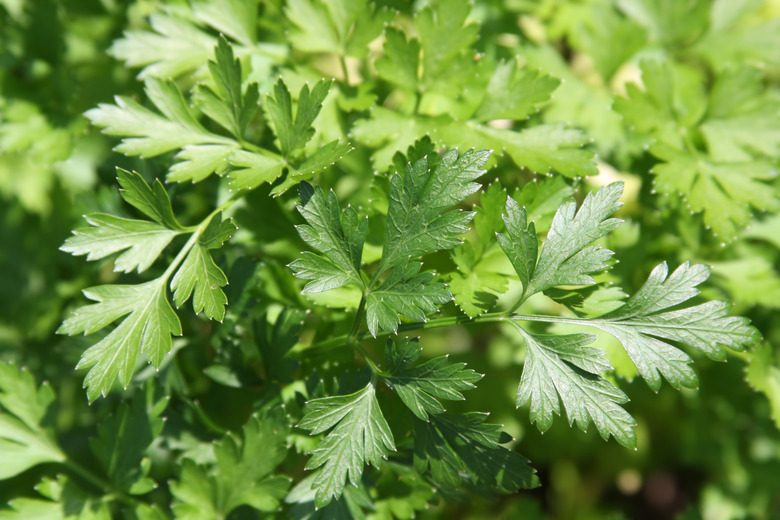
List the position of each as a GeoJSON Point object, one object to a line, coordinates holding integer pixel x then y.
{"type": "Point", "coordinates": [106, 488]}
{"type": "Point", "coordinates": [343, 60]}
{"type": "Point", "coordinates": [198, 231]}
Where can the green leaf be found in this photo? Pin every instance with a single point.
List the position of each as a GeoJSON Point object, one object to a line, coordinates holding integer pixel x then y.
{"type": "Point", "coordinates": [141, 241]}
{"type": "Point", "coordinates": [236, 18]}
{"type": "Point", "coordinates": [226, 71]}
{"type": "Point", "coordinates": [742, 122]}
{"type": "Point", "coordinates": [342, 27]}
{"type": "Point", "coordinates": [123, 439]}
{"type": "Point", "coordinates": [723, 192]}
{"type": "Point", "coordinates": [26, 438]}
{"type": "Point", "coordinates": [146, 133]}
{"type": "Point", "coordinates": [480, 277]}
{"type": "Point", "coordinates": [250, 169]}
{"type": "Point", "coordinates": [200, 274]}
{"type": "Point", "coordinates": [562, 369]}
{"type": "Point", "coordinates": [644, 326]}
{"type": "Point", "coordinates": [763, 374]}
{"type": "Point", "coordinates": [295, 133]}
{"type": "Point", "coordinates": [147, 329]}
{"type": "Point", "coordinates": [196, 162]}
{"type": "Point", "coordinates": [401, 61]}
{"type": "Point", "coordinates": [455, 448]}
{"type": "Point", "coordinates": [175, 47]}
{"type": "Point", "coordinates": [444, 34]}
{"type": "Point", "coordinates": [151, 201]}
{"type": "Point", "coordinates": [519, 242]}
{"type": "Point", "coordinates": [405, 292]}
{"type": "Point", "coordinates": [242, 476]}
{"type": "Point", "coordinates": [338, 235]}
{"type": "Point", "coordinates": [420, 387]}
{"type": "Point", "coordinates": [62, 500]}
{"type": "Point", "coordinates": [540, 148]}
{"type": "Point", "coordinates": [317, 162]}
{"type": "Point", "coordinates": [542, 200]}
{"type": "Point", "coordinates": [418, 217]}
{"type": "Point", "coordinates": [514, 94]}
{"type": "Point", "coordinates": [360, 435]}
{"type": "Point", "coordinates": [565, 258]}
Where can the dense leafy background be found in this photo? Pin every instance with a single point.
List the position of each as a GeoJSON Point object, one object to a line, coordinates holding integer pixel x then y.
{"type": "Point", "coordinates": [680, 100]}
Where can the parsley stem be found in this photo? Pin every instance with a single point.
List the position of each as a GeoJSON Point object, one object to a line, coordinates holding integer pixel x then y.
{"type": "Point", "coordinates": [105, 487]}
{"type": "Point", "coordinates": [345, 68]}
{"type": "Point", "coordinates": [198, 231]}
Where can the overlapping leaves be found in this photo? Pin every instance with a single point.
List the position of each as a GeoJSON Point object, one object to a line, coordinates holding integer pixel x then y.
{"type": "Point", "coordinates": [561, 368]}
{"type": "Point", "coordinates": [148, 320]}
{"type": "Point", "coordinates": [420, 220]}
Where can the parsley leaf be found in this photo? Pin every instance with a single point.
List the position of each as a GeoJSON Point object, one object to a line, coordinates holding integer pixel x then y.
{"type": "Point", "coordinates": [479, 278]}
{"type": "Point", "coordinates": [26, 438]}
{"type": "Point", "coordinates": [360, 435]}
{"type": "Point", "coordinates": [234, 111]}
{"type": "Point", "coordinates": [295, 133]}
{"type": "Point", "coordinates": [146, 133]}
{"type": "Point", "coordinates": [123, 439]}
{"type": "Point", "coordinates": [565, 258]}
{"type": "Point", "coordinates": [644, 330]}
{"type": "Point", "coordinates": [147, 329]}
{"type": "Point", "coordinates": [418, 220]}
{"type": "Point", "coordinates": [242, 474]}
{"type": "Point", "coordinates": [420, 387]}
{"type": "Point", "coordinates": [405, 292]}
{"type": "Point", "coordinates": [455, 448]}
{"type": "Point", "coordinates": [142, 241]}
{"type": "Point", "coordinates": [562, 369]}
{"type": "Point", "coordinates": [338, 235]}
{"type": "Point", "coordinates": [200, 274]}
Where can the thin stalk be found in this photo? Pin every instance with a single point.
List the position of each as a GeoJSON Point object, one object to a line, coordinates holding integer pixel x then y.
{"type": "Point", "coordinates": [105, 487]}
{"type": "Point", "coordinates": [198, 231]}
{"type": "Point", "coordinates": [345, 69]}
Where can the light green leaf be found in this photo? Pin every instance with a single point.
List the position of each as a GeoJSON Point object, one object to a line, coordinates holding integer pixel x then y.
{"type": "Point", "coordinates": [723, 192]}
{"type": "Point", "coordinates": [196, 162]}
{"type": "Point", "coordinates": [242, 475]}
{"type": "Point", "coordinates": [226, 71]}
{"type": "Point", "coordinates": [565, 258]}
{"type": "Point", "coordinates": [151, 201]}
{"type": "Point", "coordinates": [146, 133]}
{"type": "Point", "coordinates": [562, 369]}
{"type": "Point", "coordinates": [200, 274]}
{"type": "Point", "coordinates": [141, 241]}
{"type": "Point", "coordinates": [147, 329]}
{"type": "Point", "coordinates": [540, 148]}
{"type": "Point", "coordinates": [317, 162]}
{"type": "Point", "coordinates": [360, 435]}
{"type": "Point", "coordinates": [26, 439]}
{"type": "Point", "coordinates": [401, 61]}
{"type": "Point", "coordinates": [174, 48]}
{"type": "Point", "coordinates": [420, 387]}
{"type": "Point", "coordinates": [444, 34]}
{"type": "Point", "coordinates": [295, 133]}
{"type": "Point", "coordinates": [62, 500]}
{"type": "Point", "coordinates": [644, 330]}
{"type": "Point", "coordinates": [338, 235]}
{"type": "Point", "coordinates": [514, 94]}
{"type": "Point", "coordinates": [236, 18]}
{"type": "Point", "coordinates": [250, 170]}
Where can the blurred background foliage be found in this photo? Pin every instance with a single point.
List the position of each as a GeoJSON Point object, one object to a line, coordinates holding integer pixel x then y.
{"type": "Point", "coordinates": [713, 453]}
